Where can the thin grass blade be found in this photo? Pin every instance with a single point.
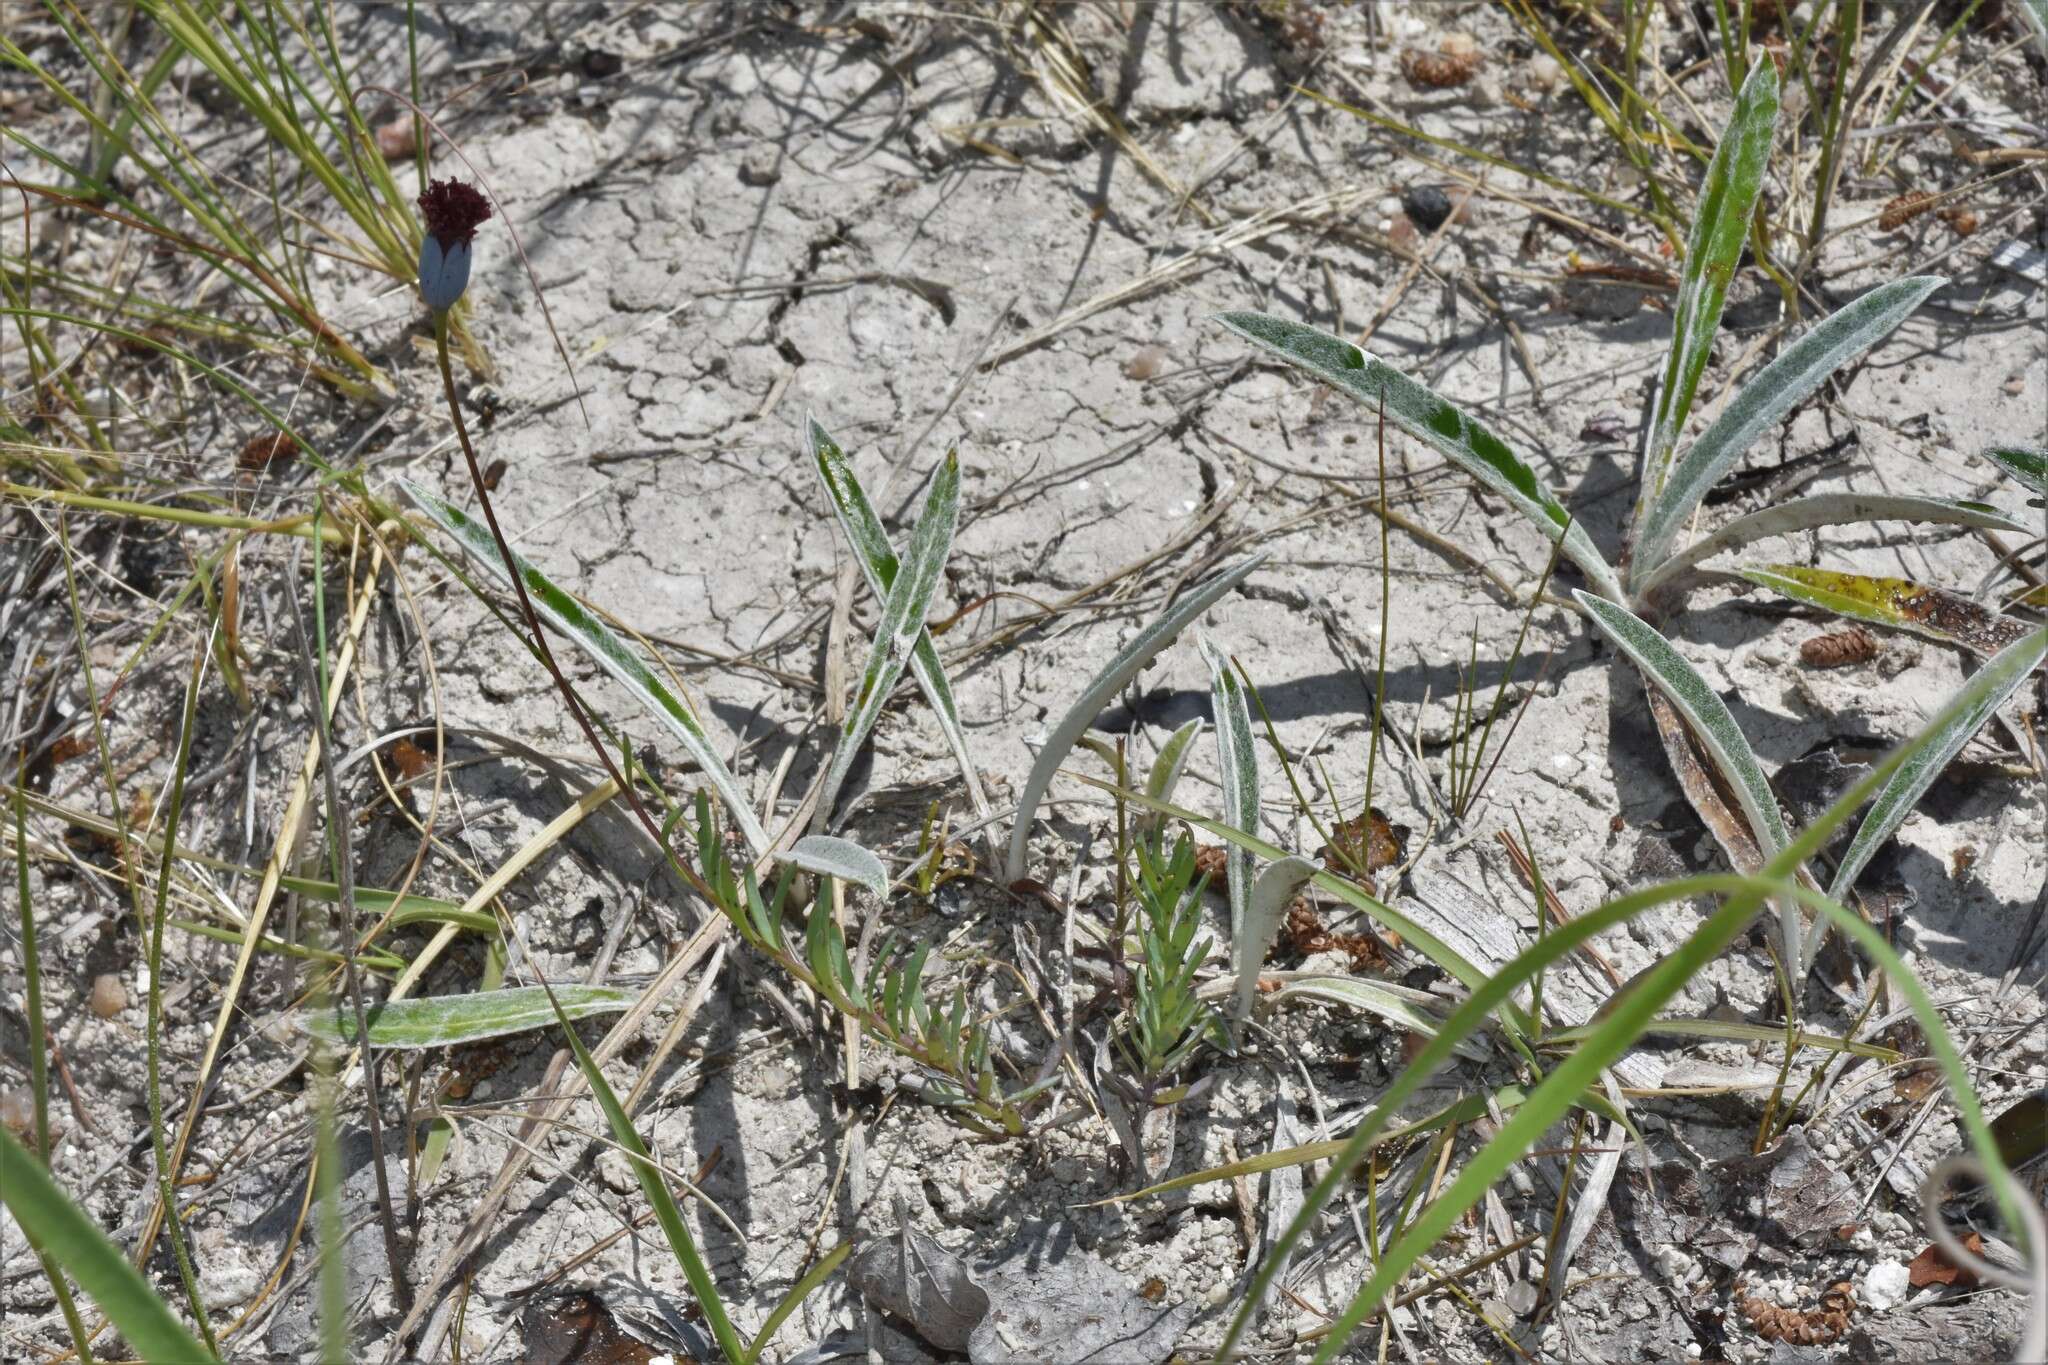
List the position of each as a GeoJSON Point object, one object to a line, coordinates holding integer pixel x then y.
{"type": "Point", "coordinates": [841, 858]}
{"type": "Point", "coordinates": [1827, 509]}
{"type": "Point", "coordinates": [1237, 763]}
{"type": "Point", "coordinates": [1431, 419]}
{"type": "Point", "coordinates": [1910, 782]}
{"type": "Point", "coordinates": [63, 1232]}
{"type": "Point", "coordinates": [1102, 689]}
{"type": "Point", "coordinates": [1898, 603]}
{"type": "Point", "coordinates": [450, 1020]}
{"type": "Point", "coordinates": [902, 624]}
{"type": "Point", "coordinates": [1720, 226]}
{"type": "Point", "coordinates": [1763, 400]}
{"type": "Point", "coordinates": [1266, 909]}
{"type": "Point", "coordinates": [1703, 709]}
{"type": "Point", "coordinates": [605, 648]}
{"type": "Point", "coordinates": [878, 565]}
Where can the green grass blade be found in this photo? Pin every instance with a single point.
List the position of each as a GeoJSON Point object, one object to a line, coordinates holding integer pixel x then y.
{"type": "Point", "coordinates": [878, 563]}
{"type": "Point", "coordinates": [62, 1231]}
{"type": "Point", "coordinates": [449, 1020]}
{"type": "Point", "coordinates": [1763, 400]}
{"type": "Point", "coordinates": [841, 858]}
{"type": "Point", "coordinates": [1826, 509]}
{"type": "Point", "coordinates": [1267, 908]}
{"type": "Point", "coordinates": [902, 624]}
{"type": "Point", "coordinates": [2025, 463]}
{"type": "Point", "coordinates": [1431, 419]}
{"type": "Point", "coordinates": [1237, 762]}
{"type": "Point", "coordinates": [606, 649]}
{"type": "Point", "coordinates": [1720, 226]}
{"type": "Point", "coordinates": [798, 1292]}
{"type": "Point", "coordinates": [1102, 689]}
{"type": "Point", "coordinates": [1992, 684]}
{"type": "Point", "coordinates": [1898, 603]}
{"type": "Point", "coordinates": [1703, 708]}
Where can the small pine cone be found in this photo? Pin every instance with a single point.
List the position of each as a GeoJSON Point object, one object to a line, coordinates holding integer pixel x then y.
{"type": "Point", "coordinates": [1904, 210]}
{"type": "Point", "coordinates": [1210, 860]}
{"type": "Point", "coordinates": [1839, 648]}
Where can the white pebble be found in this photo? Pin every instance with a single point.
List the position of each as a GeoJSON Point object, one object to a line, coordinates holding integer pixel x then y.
{"type": "Point", "coordinates": [1885, 1286]}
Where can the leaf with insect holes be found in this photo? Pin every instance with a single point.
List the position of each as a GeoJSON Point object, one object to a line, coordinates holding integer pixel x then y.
{"type": "Point", "coordinates": [841, 858]}
{"type": "Point", "coordinates": [878, 564]}
{"type": "Point", "coordinates": [2006, 671]}
{"type": "Point", "coordinates": [1761, 401]}
{"type": "Point", "coordinates": [1264, 913]}
{"type": "Point", "coordinates": [1428, 417]}
{"type": "Point", "coordinates": [2024, 463]}
{"type": "Point", "coordinates": [1720, 227]}
{"type": "Point", "coordinates": [596, 639]}
{"type": "Point", "coordinates": [1826, 509]}
{"type": "Point", "coordinates": [70, 1238]}
{"type": "Point", "coordinates": [901, 626]}
{"type": "Point", "coordinates": [1237, 762]}
{"type": "Point", "coordinates": [1702, 708]}
{"type": "Point", "coordinates": [448, 1020]}
{"type": "Point", "coordinates": [1900, 603]}
{"type": "Point", "coordinates": [1102, 689]}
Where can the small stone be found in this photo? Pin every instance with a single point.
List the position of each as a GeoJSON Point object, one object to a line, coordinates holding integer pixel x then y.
{"type": "Point", "coordinates": [1885, 1286]}
{"type": "Point", "coordinates": [109, 996]}
{"type": "Point", "coordinates": [760, 167]}
{"type": "Point", "coordinates": [1427, 207]}
{"type": "Point", "coordinates": [1521, 1298]}
{"type": "Point", "coordinates": [615, 1169]}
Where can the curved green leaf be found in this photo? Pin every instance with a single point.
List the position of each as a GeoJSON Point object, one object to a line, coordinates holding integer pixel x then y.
{"type": "Point", "coordinates": [1702, 708]}
{"type": "Point", "coordinates": [1762, 400]}
{"type": "Point", "coordinates": [596, 639]}
{"type": "Point", "coordinates": [1826, 509]}
{"type": "Point", "coordinates": [2024, 463]}
{"type": "Point", "coordinates": [1237, 762]}
{"type": "Point", "coordinates": [901, 626]}
{"type": "Point", "coordinates": [842, 858]}
{"type": "Point", "coordinates": [1409, 1009]}
{"type": "Point", "coordinates": [1899, 603]}
{"type": "Point", "coordinates": [62, 1232]}
{"type": "Point", "coordinates": [878, 563]}
{"type": "Point", "coordinates": [1102, 689]}
{"type": "Point", "coordinates": [1172, 761]}
{"type": "Point", "coordinates": [1266, 909]}
{"type": "Point", "coordinates": [1987, 691]}
{"type": "Point", "coordinates": [450, 1020]}
{"type": "Point", "coordinates": [1429, 418]}
{"type": "Point", "coordinates": [1720, 226]}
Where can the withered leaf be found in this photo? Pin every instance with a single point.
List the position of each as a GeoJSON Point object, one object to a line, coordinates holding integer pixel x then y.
{"type": "Point", "coordinates": [1931, 1267]}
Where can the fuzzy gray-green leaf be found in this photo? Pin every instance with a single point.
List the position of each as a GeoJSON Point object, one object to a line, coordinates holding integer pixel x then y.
{"type": "Point", "coordinates": [871, 550]}
{"type": "Point", "coordinates": [1762, 400]}
{"type": "Point", "coordinates": [841, 858]}
{"type": "Point", "coordinates": [1703, 708]}
{"type": "Point", "coordinates": [1237, 761]}
{"type": "Point", "coordinates": [596, 639]}
{"type": "Point", "coordinates": [901, 626]}
{"type": "Point", "coordinates": [1102, 689]}
{"type": "Point", "coordinates": [1430, 418]}
{"type": "Point", "coordinates": [1271, 894]}
{"type": "Point", "coordinates": [1983, 694]}
{"type": "Point", "coordinates": [1720, 226]}
{"type": "Point", "coordinates": [448, 1020]}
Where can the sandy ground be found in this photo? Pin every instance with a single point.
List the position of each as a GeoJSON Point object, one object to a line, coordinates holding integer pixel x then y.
{"type": "Point", "coordinates": [896, 229]}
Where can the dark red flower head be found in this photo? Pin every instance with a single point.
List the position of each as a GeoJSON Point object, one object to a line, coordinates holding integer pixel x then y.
{"type": "Point", "coordinates": [453, 211]}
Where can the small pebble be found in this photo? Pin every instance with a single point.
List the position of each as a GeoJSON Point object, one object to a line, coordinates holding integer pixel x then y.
{"type": "Point", "coordinates": [109, 996]}
{"type": "Point", "coordinates": [1885, 1286]}
{"type": "Point", "coordinates": [1145, 363]}
{"type": "Point", "coordinates": [1427, 206]}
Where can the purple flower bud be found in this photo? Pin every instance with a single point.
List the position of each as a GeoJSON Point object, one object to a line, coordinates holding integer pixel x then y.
{"type": "Point", "coordinates": [453, 211]}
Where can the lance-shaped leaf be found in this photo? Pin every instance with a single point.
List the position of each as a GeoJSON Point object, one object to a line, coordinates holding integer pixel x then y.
{"type": "Point", "coordinates": [1429, 418]}
{"type": "Point", "coordinates": [449, 1020]}
{"type": "Point", "coordinates": [878, 563]}
{"type": "Point", "coordinates": [1760, 402]}
{"type": "Point", "coordinates": [1987, 690]}
{"type": "Point", "coordinates": [1826, 509]}
{"type": "Point", "coordinates": [1102, 689]}
{"type": "Point", "coordinates": [1702, 708]}
{"type": "Point", "coordinates": [1237, 762]}
{"type": "Point", "coordinates": [1271, 894]}
{"type": "Point", "coordinates": [1720, 225]}
{"type": "Point", "coordinates": [596, 639]}
{"type": "Point", "coordinates": [841, 858]}
{"type": "Point", "coordinates": [2024, 463]}
{"type": "Point", "coordinates": [1168, 767]}
{"type": "Point", "coordinates": [903, 613]}
{"type": "Point", "coordinates": [68, 1236]}
{"type": "Point", "coordinates": [1897, 602]}
{"type": "Point", "coordinates": [1403, 1006]}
